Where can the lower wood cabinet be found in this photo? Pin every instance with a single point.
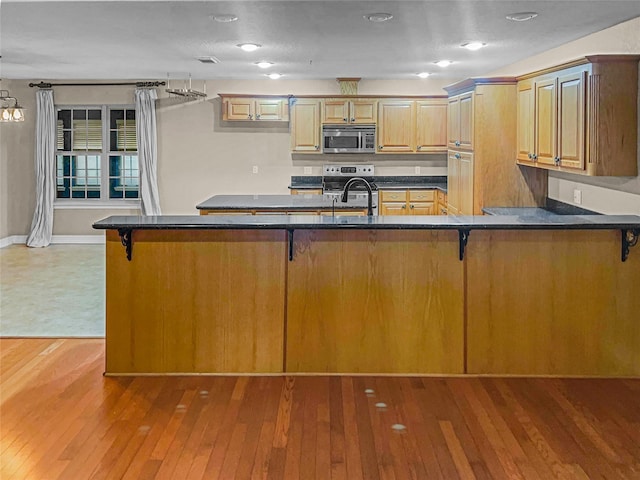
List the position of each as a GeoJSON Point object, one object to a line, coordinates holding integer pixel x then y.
{"type": "Point", "coordinates": [442, 203]}
{"type": "Point", "coordinates": [407, 202]}
{"type": "Point", "coordinates": [306, 191]}
{"type": "Point", "coordinates": [460, 183]}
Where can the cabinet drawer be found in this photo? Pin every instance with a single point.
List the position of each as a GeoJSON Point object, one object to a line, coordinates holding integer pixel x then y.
{"type": "Point", "coordinates": [393, 195]}
{"type": "Point", "coordinates": [421, 195]}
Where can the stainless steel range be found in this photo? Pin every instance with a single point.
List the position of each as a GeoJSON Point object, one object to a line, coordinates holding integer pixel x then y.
{"type": "Point", "coordinates": [335, 177]}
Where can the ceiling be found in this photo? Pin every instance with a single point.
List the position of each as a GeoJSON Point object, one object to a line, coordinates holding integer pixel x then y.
{"type": "Point", "coordinates": [306, 39]}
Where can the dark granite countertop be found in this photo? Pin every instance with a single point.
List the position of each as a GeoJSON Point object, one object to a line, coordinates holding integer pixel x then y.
{"type": "Point", "coordinates": [414, 182]}
{"type": "Point", "coordinates": [424, 222]}
{"type": "Point", "coordinates": [552, 208]}
{"type": "Point", "coordinates": [279, 202]}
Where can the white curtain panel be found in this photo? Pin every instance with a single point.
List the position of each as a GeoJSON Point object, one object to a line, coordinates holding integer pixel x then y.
{"type": "Point", "coordinates": [45, 163]}
{"type": "Point", "coordinates": [147, 150]}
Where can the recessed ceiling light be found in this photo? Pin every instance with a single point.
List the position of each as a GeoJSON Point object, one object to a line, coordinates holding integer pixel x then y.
{"type": "Point", "coordinates": [473, 45]}
{"type": "Point", "coordinates": [443, 63]}
{"type": "Point", "coordinates": [423, 74]}
{"type": "Point", "coordinates": [378, 17]}
{"type": "Point", "coordinates": [264, 64]}
{"type": "Point", "coordinates": [249, 47]}
{"type": "Point", "coordinates": [274, 76]}
{"type": "Point", "coordinates": [225, 18]}
{"type": "Point", "coordinates": [522, 16]}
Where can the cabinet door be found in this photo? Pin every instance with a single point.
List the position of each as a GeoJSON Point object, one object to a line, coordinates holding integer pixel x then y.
{"type": "Point", "coordinates": [396, 126]}
{"type": "Point", "coordinates": [305, 125]}
{"type": "Point", "coordinates": [453, 182]}
{"type": "Point", "coordinates": [393, 208]}
{"type": "Point", "coordinates": [306, 191]}
{"type": "Point", "coordinates": [453, 122]}
{"type": "Point", "coordinates": [466, 120]}
{"type": "Point", "coordinates": [525, 122]}
{"type": "Point", "coordinates": [335, 111]}
{"type": "Point", "coordinates": [465, 184]}
{"type": "Point", "coordinates": [271, 109]}
{"type": "Point", "coordinates": [363, 111]}
{"type": "Point", "coordinates": [431, 126]}
{"type": "Point", "coordinates": [239, 109]}
{"type": "Point", "coordinates": [545, 121]}
{"type": "Point", "coordinates": [571, 121]}
{"type": "Point", "coordinates": [422, 208]}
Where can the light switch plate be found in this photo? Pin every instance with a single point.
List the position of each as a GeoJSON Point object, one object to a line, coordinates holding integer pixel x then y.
{"type": "Point", "coordinates": [255, 169]}
{"type": "Point", "coordinates": [417, 170]}
{"type": "Point", "coordinates": [577, 196]}
{"type": "Point", "coordinates": [307, 170]}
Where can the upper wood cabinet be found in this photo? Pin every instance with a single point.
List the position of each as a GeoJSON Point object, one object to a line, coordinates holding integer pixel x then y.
{"type": "Point", "coordinates": [337, 111]}
{"type": "Point", "coordinates": [412, 126]}
{"type": "Point", "coordinates": [581, 117]}
{"type": "Point", "coordinates": [252, 108]}
{"type": "Point", "coordinates": [460, 124]}
{"type": "Point", "coordinates": [482, 143]}
{"type": "Point", "coordinates": [396, 131]}
{"type": "Point", "coordinates": [305, 125]}
{"type": "Point", "coordinates": [431, 125]}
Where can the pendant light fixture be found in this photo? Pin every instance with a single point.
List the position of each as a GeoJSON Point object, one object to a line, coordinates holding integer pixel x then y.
{"type": "Point", "coordinates": [10, 110]}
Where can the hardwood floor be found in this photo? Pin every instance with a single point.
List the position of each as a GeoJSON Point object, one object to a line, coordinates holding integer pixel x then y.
{"type": "Point", "coordinates": [60, 418]}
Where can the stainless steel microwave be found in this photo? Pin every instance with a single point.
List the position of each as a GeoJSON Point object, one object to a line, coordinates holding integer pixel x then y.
{"type": "Point", "coordinates": [349, 138]}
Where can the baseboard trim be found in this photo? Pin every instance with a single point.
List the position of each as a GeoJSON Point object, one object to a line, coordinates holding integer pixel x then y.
{"type": "Point", "coordinates": [56, 239]}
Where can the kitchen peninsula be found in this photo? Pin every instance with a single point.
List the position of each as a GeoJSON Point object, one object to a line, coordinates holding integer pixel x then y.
{"type": "Point", "coordinates": [524, 295]}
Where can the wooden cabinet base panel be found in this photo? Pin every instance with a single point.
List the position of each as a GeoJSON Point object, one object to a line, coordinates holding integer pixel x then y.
{"type": "Point", "coordinates": [375, 301]}
{"type": "Point", "coordinates": [552, 303]}
{"type": "Point", "coordinates": [196, 301]}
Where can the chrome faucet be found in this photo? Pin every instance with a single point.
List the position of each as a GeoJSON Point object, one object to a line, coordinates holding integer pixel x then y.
{"type": "Point", "coordinates": [345, 193]}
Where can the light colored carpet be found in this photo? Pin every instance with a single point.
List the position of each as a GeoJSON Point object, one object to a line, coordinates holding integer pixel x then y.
{"type": "Point", "coordinates": [57, 291]}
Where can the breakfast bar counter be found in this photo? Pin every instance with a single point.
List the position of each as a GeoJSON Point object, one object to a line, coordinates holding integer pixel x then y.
{"type": "Point", "coordinates": [522, 295]}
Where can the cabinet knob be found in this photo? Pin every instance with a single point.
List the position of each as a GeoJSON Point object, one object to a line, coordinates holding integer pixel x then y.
{"type": "Point", "coordinates": [258, 116]}
{"type": "Point", "coordinates": [457, 143]}
{"type": "Point", "coordinates": [353, 119]}
{"type": "Point", "coordinates": [249, 116]}
{"type": "Point", "coordinates": [556, 160]}
{"type": "Point", "coordinates": [404, 207]}
{"type": "Point", "coordinates": [457, 155]}
{"type": "Point", "coordinates": [379, 147]}
{"type": "Point", "coordinates": [412, 206]}
{"type": "Point", "coordinates": [317, 147]}
{"type": "Point", "coordinates": [419, 147]}
{"type": "Point", "coordinates": [530, 156]}
{"type": "Point", "coordinates": [344, 119]}
{"type": "Point", "coordinates": [534, 156]}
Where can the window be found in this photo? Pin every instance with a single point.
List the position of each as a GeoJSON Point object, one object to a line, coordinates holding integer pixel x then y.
{"type": "Point", "coordinates": [87, 166]}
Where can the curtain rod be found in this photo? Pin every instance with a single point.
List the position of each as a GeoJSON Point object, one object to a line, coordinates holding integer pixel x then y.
{"type": "Point", "coordinates": [137, 84]}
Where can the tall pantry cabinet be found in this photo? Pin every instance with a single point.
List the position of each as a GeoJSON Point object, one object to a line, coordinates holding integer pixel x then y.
{"type": "Point", "coordinates": [482, 147]}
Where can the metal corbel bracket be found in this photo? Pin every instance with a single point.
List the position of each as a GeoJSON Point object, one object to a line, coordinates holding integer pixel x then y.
{"type": "Point", "coordinates": [290, 235]}
{"type": "Point", "coordinates": [463, 235]}
{"type": "Point", "coordinates": [126, 237]}
{"type": "Point", "coordinates": [629, 239]}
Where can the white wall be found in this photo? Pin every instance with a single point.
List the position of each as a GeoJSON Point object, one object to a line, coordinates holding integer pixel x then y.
{"type": "Point", "coordinates": [601, 194]}
{"type": "Point", "coordinates": [198, 154]}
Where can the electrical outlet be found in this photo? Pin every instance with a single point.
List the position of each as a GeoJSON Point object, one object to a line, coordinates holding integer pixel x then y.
{"type": "Point", "coordinates": [577, 196]}
{"type": "Point", "coordinates": [255, 169]}
{"type": "Point", "coordinates": [307, 170]}
{"type": "Point", "coordinates": [417, 170]}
